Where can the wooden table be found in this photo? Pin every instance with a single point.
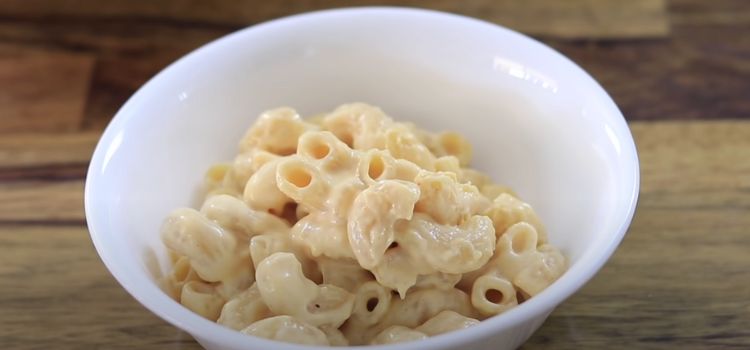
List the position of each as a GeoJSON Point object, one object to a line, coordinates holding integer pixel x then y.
{"type": "Point", "coordinates": [680, 70]}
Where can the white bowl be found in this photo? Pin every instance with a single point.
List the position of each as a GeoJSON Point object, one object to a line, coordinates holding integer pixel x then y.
{"type": "Point", "coordinates": [538, 122]}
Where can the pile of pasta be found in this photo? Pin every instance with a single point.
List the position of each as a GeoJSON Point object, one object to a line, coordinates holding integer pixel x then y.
{"type": "Point", "coordinates": [350, 228]}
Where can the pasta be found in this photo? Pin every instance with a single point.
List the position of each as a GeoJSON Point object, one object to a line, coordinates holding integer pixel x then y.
{"type": "Point", "coordinates": [351, 228]}
{"type": "Point", "coordinates": [334, 335]}
{"type": "Point", "coordinates": [418, 307]}
{"type": "Point", "coordinates": [286, 291]}
{"type": "Point", "coordinates": [244, 309]}
{"type": "Point", "coordinates": [213, 252]}
{"type": "Point", "coordinates": [437, 280]}
{"type": "Point", "coordinates": [288, 329]}
{"type": "Point", "coordinates": [181, 274]}
{"type": "Point", "coordinates": [492, 294]}
{"type": "Point", "coordinates": [397, 334]}
{"type": "Point", "coordinates": [506, 210]}
{"type": "Point", "coordinates": [344, 273]}
{"type": "Point", "coordinates": [202, 298]}
{"type": "Point", "coordinates": [371, 303]}
{"type": "Point", "coordinates": [444, 322]}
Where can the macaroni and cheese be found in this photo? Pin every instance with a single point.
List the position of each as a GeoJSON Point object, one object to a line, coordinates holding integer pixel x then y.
{"type": "Point", "coordinates": [350, 228]}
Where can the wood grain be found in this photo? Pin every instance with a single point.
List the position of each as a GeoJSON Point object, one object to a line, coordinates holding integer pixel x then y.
{"type": "Point", "coordinates": [679, 279]}
{"type": "Point", "coordinates": [701, 71]}
{"type": "Point", "coordinates": [696, 159]}
{"type": "Point", "coordinates": [127, 54]}
{"type": "Point", "coordinates": [133, 40]}
{"type": "Point", "coordinates": [43, 91]}
{"type": "Point", "coordinates": [56, 294]}
{"type": "Point", "coordinates": [42, 202]}
{"type": "Point", "coordinates": [567, 19]}
{"type": "Point", "coordinates": [30, 150]}
{"type": "Point", "coordinates": [700, 66]}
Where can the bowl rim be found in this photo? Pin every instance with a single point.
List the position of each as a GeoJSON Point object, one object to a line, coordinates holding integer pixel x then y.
{"type": "Point", "coordinates": [203, 329]}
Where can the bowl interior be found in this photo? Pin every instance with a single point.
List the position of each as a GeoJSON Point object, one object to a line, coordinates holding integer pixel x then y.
{"type": "Point", "coordinates": [537, 122]}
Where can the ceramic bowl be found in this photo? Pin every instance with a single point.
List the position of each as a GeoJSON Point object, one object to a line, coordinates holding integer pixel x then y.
{"type": "Point", "coordinates": [538, 123]}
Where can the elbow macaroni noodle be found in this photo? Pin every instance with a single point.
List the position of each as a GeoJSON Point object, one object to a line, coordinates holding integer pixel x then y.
{"type": "Point", "coordinates": [351, 229]}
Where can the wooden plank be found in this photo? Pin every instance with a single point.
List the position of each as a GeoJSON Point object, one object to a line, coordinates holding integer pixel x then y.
{"type": "Point", "coordinates": [680, 277]}
{"type": "Point", "coordinates": [701, 72]}
{"type": "Point", "coordinates": [694, 158]}
{"type": "Point", "coordinates": [120, 74]}
{"type": "Point", "coordinates": [56, 294]}
{"type": "Point", "coordinates": [41, 201]}
{"type": "Point", "coordinates": [578, 19]}
{"type": "Point", "coordinates": [678, 280]}
{"type": "Point", "coordinates": [693, 75]}
{"type": "Point", "coordinates": [26, 150]}
{"type": "Point", "coordinates": [722, 12]}
{"type": "Point", "coordinates": [127, 55]}
{"type": "Point", "coordinates": [566, 19]}
{"type": "Point", "coordinates": [43, 91]}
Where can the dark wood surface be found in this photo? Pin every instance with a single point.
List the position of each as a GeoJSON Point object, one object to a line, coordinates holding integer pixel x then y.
{"type": "Point", "coordinates": [679, 70]}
